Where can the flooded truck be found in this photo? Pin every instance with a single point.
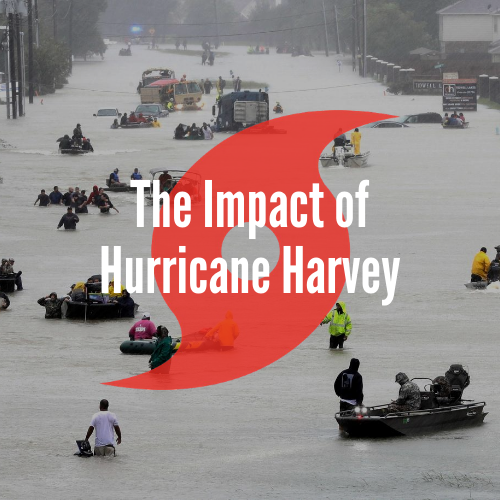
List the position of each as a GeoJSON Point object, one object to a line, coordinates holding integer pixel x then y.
{"type": "Point", "coordinates": [239, 110]}
{"type": "Point", "coordinates": [183, 95]}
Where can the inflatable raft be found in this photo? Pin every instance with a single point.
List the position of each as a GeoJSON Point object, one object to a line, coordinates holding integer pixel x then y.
{"type": "Point", "coordinates": [143, 346]}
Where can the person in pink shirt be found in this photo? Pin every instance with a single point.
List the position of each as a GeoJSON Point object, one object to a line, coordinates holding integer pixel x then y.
{"type": "Point", "coordinates": [143, 329]}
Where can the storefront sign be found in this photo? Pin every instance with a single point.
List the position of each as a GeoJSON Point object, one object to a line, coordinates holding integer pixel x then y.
{"type": "Point", "coordinates": [460, 95]}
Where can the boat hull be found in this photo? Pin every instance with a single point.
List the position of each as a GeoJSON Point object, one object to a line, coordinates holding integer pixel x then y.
{"type": "Point", "coordinates": [73, 151]}
{"type": "Point", "coordinates": [7, 284]}
{"type": "Point", "coordinates": [413, 423]}
{"type": "Point", "coordinates": [82, 310]}
{"type": "Point", "coordinates": [477, 285]}
{"type": "Point", "coordinates": [350, 161]}
{"type": "Point", "coordinates": [454, 127]}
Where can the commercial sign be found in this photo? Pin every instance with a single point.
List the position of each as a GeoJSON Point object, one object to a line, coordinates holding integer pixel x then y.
{"type": "Point", "coordinates": [460, 95]}
{"type": "Point", "coordinates": [429, 86]}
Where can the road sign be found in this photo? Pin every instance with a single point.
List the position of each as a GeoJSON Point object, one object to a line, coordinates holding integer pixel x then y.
{"type": "Point", "coordinates": [437, 66]}
{"type": "Point", "coordinates": [152, 31]}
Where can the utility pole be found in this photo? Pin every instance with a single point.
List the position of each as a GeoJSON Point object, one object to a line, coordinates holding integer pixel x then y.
{"type": "Point", "coordinates": [337, 39]}
{"type": "Point", "coordinates": [364, 38]}
{"type": "Point", "coordinates": [216, 24]}
{"type": "Point", "coordinates": [54, 17]}
{"type": "Point", "coordinates": [5, 45]}
{"type": "Point", "coordinates": [354, 33]}
{"type": "Point", "coordinates": [70, 35]}
{"type": "Point", "coordinates": [30, 51]}
{"type": "Point", "coordinates": [326, 30]}
{"type": "Point", "coordinates": [37, 25]}
{"type": "Point", "coordinates": [19, 66]}
{"type": "Point", "coordinates": [12, 57]}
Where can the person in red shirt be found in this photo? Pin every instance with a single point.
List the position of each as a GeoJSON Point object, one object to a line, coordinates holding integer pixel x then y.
{"type": "Point", "coordinates": [143, 329]}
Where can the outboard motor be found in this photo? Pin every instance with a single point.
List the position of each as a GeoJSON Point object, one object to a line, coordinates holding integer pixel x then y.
{"type": "Point", "coordinates": [459, 379]}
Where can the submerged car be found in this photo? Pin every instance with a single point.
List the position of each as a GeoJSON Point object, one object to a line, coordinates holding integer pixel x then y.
{"type": "Point", "coordinates": [154, 110]}
{"type": "Point", "coordinates": [420, 118]}
{"type": "Point", "coordinates": [385, 124]}
{"type": "Point", "coordinates": [107, 112]}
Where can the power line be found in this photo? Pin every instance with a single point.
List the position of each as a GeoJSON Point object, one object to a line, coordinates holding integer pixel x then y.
{"type": "Point", "coordinates": [233, 34]}
{"type": "Point", "coordinates": [219, 23]}
{"type": "Point", "coordinates": [271, 92]}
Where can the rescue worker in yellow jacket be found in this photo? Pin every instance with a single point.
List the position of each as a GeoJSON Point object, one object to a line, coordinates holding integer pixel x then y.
{"type": "Point", "coordinates": [339, 325]}
{"type": "Point", "coordinates": [356, 141]}
{"type": "Point", "coordinates": [480, 266]}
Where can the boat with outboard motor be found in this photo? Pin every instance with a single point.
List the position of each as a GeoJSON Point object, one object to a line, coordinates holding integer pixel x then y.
{"type": "Point", "coordinates": [477, 285]}
{"type": "Point", "coordinates": [344, 157]}
{"type": "Point", "coordinates": [7, 283]}
{"type": "Point", "coordinates": [436, 413]}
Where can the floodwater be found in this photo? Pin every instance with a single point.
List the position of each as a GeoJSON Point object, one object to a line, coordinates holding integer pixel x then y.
{"type": "Point", "coordinates": [271, 434]}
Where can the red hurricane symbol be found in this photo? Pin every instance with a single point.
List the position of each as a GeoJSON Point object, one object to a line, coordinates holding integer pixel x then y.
{"type": "Point", "coordinates": [273, 323]}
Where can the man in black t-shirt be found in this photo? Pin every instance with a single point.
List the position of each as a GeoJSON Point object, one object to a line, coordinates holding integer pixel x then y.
{"type": "Point", "coordinates": [43, 199]}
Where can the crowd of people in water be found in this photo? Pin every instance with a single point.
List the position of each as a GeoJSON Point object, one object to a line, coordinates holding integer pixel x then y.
{"type": "Point", "coordinates": [77, 141]}
{"type": "Point", "coordinates": [90, 292]}
{"type": "Point", "coordinates": [206, 131]}
{"type": "Point", "coordinates": [483, 269]}
{"type": "Point", "coordinates": [77, 201]}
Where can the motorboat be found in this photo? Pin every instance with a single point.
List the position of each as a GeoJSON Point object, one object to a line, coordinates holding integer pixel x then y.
{"type": "Point", "coordinates": [7, 283]}
{"type": "Point", "coordinates": [477, 285]}
{"type": "Point", "coordinates": [345, 157]}
{"type": "Point", "coordinates": [190, 182]}
{"type": "Point", "coordinates": [119, 189]}
{"type": "Point", "coordinates": [92, 309]}
{"type": "Point", "coordinates": [436, 413]}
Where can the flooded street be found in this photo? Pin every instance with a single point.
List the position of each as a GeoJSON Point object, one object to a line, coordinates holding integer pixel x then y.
{"type": "Point", "coordinates": [272, 434]}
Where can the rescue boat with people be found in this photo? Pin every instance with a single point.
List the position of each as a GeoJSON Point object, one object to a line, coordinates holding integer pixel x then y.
{"type": "Point", "coordinates": [345, 159]}
{"type": "Point", "coordinates": [464, 125]}
{"type": "Point", "coordinates": [435, 414]}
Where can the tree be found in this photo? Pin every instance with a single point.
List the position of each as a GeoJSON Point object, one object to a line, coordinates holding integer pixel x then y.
{"type": "Point", "coordinates": [404, 34]}
{"type": "Point", "coordinates": [50, 64]}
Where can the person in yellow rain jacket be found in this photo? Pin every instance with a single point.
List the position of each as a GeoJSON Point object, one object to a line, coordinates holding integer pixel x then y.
{"type": "Point", "coordinates": [480, 266]}
{"type": "Point", "coordinates": [356, 141]}
{"type": "Point", "coordinates": [227, 331]}
{"type": "Point", "coordinates": [112, 292]}
{"type": "Point", "coordinates": [339, 325]}
{"type": "Point", "coordinates": [155, 123]}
